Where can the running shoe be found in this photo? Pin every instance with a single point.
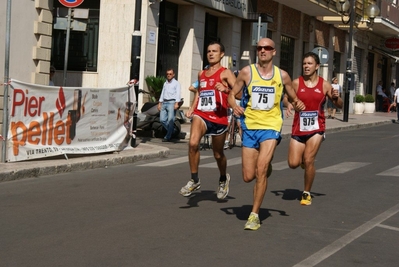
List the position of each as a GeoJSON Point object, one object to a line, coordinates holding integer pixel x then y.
{"type": "Point", "coordinates": [189, 188]}
{"type": "Point", "coordinates": [306, 199]}
{"type": "Point", "coordinates": [253, 223]}
{"type": "Point", "coordinates": [223, 188]}
{"type": "Point", "coordinates": [226, 145]}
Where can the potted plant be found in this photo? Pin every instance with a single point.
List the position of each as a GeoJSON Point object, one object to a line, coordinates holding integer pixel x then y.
{"type": "Point", "coordinates": [155, 85]}
{"type": "Point", "coordinates": [369, 106]}
{"type": "Point", "coordinates": [358, 106]}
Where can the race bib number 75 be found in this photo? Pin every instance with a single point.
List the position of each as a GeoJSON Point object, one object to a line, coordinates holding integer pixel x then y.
{"type": "Point", "coordinates": [263, 97]}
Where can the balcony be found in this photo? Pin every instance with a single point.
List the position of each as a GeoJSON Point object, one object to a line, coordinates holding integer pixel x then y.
{"type": "Point", "coordinates": [386, 25]}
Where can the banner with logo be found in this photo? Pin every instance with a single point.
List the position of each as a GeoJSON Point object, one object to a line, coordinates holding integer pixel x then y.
{"type": "Point", "coordinates": [45, 121]}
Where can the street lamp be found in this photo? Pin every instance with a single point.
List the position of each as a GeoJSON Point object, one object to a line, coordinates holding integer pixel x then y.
{"type": "Point", "coordinates": [347, 9]}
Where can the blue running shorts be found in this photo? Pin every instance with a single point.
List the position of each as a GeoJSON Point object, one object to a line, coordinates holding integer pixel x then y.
{"type": "Point", "coordinates": [253, 138]}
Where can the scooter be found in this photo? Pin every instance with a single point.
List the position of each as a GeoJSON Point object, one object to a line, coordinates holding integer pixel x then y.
{"type": "Point", "coordinates": [149, 119]}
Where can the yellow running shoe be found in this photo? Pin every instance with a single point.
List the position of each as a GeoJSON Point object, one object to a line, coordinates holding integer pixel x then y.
{"type": "Point", "coordinates": [306, 199]}
{"type": "Point", "coordinates": [253, 223]}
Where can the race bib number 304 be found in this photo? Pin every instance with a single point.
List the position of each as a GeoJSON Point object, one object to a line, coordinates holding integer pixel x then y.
{"type": "Point", "coordinates": [309, 121]}
{"type": "Point", "coordinates": [263, 97]}
{"type": "Point", "coordinates": [207, 100]}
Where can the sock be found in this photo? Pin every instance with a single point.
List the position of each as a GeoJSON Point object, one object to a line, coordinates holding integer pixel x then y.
{"type": "Point", "coordinates": [222, 178]}
{"type": "Point", "coordinates": [195, 178]}
{"type": "Point", "coordinates": [306, 192]}
{"type": "Point", "coordinates": [253, 213]}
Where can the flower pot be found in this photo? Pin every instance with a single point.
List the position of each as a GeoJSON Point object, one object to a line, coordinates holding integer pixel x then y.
{"type": "Point", "coordinates": [369, 107]}
{"type": "Point", "coordinates": [358, 108]}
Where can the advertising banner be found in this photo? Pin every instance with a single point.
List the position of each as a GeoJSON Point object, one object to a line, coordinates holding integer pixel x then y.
{"type": "Point", "coordinates": [45, 121]}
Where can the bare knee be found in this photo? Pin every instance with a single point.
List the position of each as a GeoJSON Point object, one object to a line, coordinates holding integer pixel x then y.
{"type": "Point", "coordinates": [193, 147]}
{"type": "Point", "coordinates": [248, 177]}
{"type": "Point", "coordinates": [218, 155]}
{"type": "Point", "coordinates": [293, 164]}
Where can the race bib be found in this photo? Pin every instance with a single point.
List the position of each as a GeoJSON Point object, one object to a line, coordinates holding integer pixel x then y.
{"type": "Point", "coordinates": [207, 100]}
{"type": "Point", "coordinates": [309, 121]}
{"type": "Point", "coordinates": [263, 97]}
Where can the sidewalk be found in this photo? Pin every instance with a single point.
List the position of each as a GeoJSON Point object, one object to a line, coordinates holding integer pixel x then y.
{"type": "Point", "coordinates": [55, 165]}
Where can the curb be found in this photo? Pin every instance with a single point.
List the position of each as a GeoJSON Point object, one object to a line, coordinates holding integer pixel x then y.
{"type": "Point", "coordinates": [79, 163]}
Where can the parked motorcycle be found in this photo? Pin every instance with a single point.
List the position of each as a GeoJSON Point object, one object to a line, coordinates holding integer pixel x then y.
{"type": "Point", "coordinates": [149, 119]}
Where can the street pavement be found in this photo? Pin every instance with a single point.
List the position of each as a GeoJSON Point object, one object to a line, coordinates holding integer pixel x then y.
{"type": "Point", "coordinates": [147, 150]}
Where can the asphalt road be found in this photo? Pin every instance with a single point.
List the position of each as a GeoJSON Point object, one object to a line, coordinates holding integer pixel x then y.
{"type": "Point", "coordinates": [132, 215]}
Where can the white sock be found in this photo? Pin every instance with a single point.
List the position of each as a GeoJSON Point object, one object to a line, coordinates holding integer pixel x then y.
{"type": "Point", "coordinates": [253, 213]}
{"type": "Point", "coordinates": [306, 192]}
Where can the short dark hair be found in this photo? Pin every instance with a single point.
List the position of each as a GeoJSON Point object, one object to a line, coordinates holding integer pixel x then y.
{"type": "Point", "coordinates": [218, 43]}
{"type": "Point", "coordinates": [313, 55]}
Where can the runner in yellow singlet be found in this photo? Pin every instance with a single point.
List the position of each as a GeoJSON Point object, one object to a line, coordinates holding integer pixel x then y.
{"type": "Point", "coordinates": [261, 107]}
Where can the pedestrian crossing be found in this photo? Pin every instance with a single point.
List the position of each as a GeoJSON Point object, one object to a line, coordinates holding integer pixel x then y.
{"type": "Point", "coordinates": [339, 168]}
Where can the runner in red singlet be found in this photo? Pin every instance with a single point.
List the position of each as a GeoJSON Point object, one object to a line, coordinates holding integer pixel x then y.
{"type": "Point", "coordinates": [209, 116]}
{"type": "Point", "coordinates": [308, 126]}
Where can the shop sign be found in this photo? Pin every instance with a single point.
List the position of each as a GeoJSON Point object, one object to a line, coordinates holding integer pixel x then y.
{"type": "Point", "coordinates": [392, 43]}
{"type": "Point", "coordinates": [234, 7]}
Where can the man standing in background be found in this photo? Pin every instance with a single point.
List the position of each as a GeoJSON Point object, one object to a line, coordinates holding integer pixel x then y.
{"type": "Point", "coordinates": [169, 103]}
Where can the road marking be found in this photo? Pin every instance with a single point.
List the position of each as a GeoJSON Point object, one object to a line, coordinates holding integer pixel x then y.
{"type": "Point", "coordinates": [390, 172]}
{"type": "Point", "coordinates": [169, 162]}
{"type": "Point", "coordinates": [346, 239]}
{"type": "Point", "coordinates": [343, 167]}
{"type": "Point", "coordinates": [388, 227]}
{"type": "Point", "coordinates": [279, 166]}
{"type": "Point", "coordinates": [230, 162]}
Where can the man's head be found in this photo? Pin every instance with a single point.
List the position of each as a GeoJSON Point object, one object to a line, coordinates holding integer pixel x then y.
{"type": "Point", "coordinates": [310, 63]}
{"type": "Point", "coordinates": [266, 49]}
{"type": "Point", "coordinates": [170, 74]}
{"type": "Point", "coordinates": [215, 52]}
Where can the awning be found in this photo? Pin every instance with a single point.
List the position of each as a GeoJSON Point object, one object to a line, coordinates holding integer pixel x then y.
{"type": "Point", "coordinates": [386, 54]}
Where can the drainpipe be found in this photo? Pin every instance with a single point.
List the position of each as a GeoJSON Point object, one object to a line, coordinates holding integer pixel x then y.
{"type": "Point", "coordinates": [135, 66]}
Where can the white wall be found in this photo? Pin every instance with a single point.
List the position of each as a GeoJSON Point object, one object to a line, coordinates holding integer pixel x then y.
{"type": "Point", "coordinates": [115, 41]}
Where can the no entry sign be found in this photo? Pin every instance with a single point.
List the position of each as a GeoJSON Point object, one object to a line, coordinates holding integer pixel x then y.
{"type": "Point", "coordinates": [71, 3]}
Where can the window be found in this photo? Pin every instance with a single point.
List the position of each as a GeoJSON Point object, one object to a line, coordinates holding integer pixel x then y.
{"type": "Point", "coordinates": [287, 54]}
{"type": "Point", "coordinates": [83, 45]}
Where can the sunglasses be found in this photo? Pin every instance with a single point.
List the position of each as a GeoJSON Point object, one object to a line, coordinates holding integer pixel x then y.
{"type": "Point", "coordinates": [267, 48]}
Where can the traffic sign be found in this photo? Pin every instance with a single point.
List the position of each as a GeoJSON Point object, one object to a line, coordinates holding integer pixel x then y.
{"type": "Point", "coordinates": [71, 3]}
{"type": "Point", "coordinates": [322, 53]}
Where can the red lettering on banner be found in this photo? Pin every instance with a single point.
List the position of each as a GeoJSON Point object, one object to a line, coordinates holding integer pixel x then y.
{"type": "Point", "coordinates": [45, 133]}
{"type": "Point", "coordinates": [32, 106]}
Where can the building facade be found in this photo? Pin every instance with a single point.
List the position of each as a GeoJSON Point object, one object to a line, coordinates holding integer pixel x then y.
{"type": "Point", "coordinates": [112, 42]}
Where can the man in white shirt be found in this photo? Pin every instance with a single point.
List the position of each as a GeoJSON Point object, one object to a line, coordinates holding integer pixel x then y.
{"type": "Point", "coordinates": [169, 103]}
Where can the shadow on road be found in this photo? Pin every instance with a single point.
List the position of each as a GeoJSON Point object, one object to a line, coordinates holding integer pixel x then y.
{"type": "Point", "coordinates": [205, 195]}
{"type": "Point", "coordinates": [292, 194]}
{"type": "Point", "coordinates": [243, 212]}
